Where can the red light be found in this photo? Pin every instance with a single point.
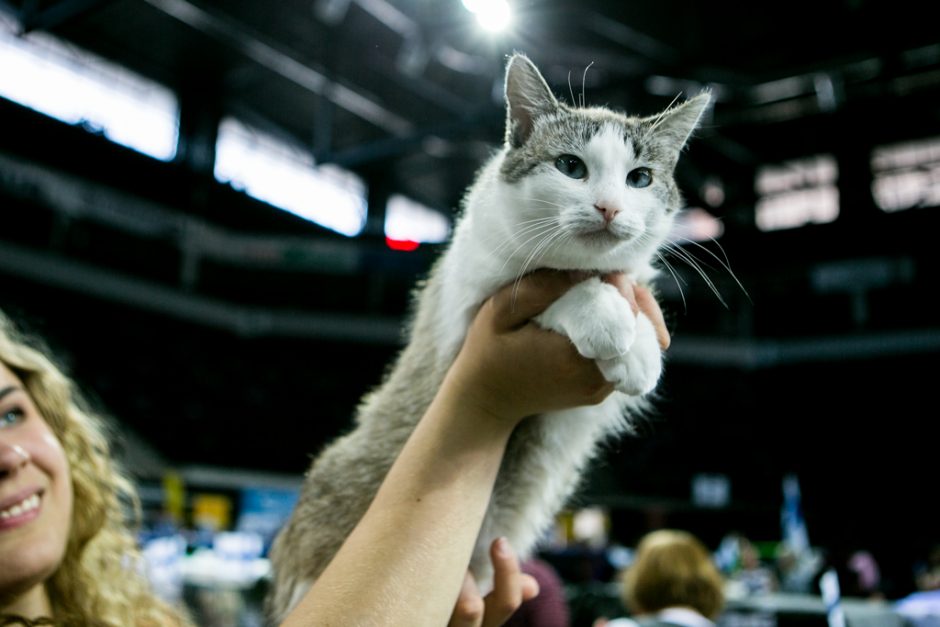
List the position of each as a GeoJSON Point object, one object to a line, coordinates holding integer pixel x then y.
{"type": "Point", "coordinates": [401, 244]}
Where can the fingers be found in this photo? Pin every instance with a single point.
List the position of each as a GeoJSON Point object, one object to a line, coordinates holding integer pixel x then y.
{"type": "Point", "coordinates": [470, 606]}
{"type": "Point", "coordinates": [510, 586]}
{"type": "Point", "coordinates": [649, 306]}
{"type": "Point", "coordinates": [518, 302]}
{"type": "Point", "coordinates": [624, 286]}
{"type": "Point", "coordinates": [641, 299]}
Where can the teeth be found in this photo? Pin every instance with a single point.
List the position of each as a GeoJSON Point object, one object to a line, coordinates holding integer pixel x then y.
{"type": "Point", "coordinates": [20, 508]}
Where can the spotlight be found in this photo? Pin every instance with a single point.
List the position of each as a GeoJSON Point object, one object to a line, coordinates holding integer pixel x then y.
{"type": "Point", "coordinates": [492, 15]}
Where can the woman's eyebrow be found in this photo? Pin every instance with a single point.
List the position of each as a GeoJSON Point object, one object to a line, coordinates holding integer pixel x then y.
{"type": "Point", "coordinates": [8, 390]}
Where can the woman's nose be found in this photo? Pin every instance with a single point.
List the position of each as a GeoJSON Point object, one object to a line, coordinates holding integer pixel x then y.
{"type": "Point", "coordinates": [12, 458]}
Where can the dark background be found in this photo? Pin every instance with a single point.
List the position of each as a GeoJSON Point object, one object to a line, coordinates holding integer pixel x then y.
{"type": "Point", "coordinates": [825, 367]}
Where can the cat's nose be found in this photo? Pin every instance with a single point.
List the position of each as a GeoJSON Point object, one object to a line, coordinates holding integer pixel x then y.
{"type": "Point", "coordinates": [608, 210]}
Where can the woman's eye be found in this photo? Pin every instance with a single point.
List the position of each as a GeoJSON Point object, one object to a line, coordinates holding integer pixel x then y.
{"type": "Point", "coordinates": [10, 417]}
{"type": "Point", "coordinates": [572, 166]}
{"type": "Point", "coordinates": [641, 177]}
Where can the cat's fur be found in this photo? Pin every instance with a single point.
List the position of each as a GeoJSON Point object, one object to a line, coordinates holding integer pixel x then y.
{"type": "Point", "coordinates": [522, 213]}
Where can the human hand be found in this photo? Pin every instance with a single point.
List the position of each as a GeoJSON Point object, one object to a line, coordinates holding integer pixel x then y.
{"type": "Point", "coordinates": [511, 587]}
{"type": "Point", "coordinates": [641, 300]}
{"type": "Point", "coordinates": [512, 368]}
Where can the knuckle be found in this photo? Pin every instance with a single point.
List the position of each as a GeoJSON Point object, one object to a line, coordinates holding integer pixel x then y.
{"type": "Point", "coordinates": [469, 609]}
{"type": "Point", "coordinates": [508, 605]}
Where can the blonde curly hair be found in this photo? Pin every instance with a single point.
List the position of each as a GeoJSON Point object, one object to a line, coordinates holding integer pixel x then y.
{"type": "Point", "coordinates": [99, 582]}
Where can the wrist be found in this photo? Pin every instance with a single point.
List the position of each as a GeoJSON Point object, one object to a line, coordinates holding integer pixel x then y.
{"type": "Point", "coordinates": [475, 405]}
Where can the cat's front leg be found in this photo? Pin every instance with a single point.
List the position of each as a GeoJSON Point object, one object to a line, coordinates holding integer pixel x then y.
{"type": "Point", "coordinates": [601, 324]}
{"type": "Point", "coordinates": [638, 370]}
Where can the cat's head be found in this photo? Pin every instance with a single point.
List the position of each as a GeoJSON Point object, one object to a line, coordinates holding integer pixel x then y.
{"type": "Point", "coordinates": [591, 188]}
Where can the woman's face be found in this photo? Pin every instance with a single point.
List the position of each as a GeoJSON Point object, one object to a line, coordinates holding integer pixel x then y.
{"type": "Point", "coordinates": [35, 493]}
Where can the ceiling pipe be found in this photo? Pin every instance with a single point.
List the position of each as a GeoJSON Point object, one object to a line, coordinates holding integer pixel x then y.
{"type": "Point", "coordinates": [230, 32]}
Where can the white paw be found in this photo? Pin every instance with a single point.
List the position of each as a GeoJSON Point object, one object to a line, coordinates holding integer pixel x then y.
{"type": "Point", "coordinates": [600, 323]}
{"type": "Point", "coordinates": [638, 371]}
{"type": "Point", "coordinates": [595, 317]}
{"type": "Point", "coordinates": [605, 332]}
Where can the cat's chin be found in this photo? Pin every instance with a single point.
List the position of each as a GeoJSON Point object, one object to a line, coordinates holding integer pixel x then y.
{"type": "Point", "coordinates": [600, 240]}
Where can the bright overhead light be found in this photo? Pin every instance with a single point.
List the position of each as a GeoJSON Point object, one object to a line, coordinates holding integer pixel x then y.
{"type": "Point", "coordinates": [492, 15]}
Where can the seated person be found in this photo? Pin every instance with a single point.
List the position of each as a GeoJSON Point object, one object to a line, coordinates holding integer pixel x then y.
{"type": "Point", "coordinates": [672, 582]}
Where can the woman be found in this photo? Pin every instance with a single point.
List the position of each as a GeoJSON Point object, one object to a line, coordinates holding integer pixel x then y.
{"type": "Point", "coordinates": [65, 543]}
{"type": "Point", "coordinates": [68, 553]}
{"type": "Point", "coordinates": [672, 582]}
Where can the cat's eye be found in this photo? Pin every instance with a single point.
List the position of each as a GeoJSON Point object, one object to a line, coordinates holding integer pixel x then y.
{"type": "Point", "coordinates": [572, 166]}
{"type": "Point", "coordinates": [640, 177]}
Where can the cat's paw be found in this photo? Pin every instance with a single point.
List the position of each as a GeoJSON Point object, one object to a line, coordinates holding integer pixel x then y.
{"type": "Point", "coordinates": [638, 370]}
{"type": "Point", "coordinates": [596, 318]}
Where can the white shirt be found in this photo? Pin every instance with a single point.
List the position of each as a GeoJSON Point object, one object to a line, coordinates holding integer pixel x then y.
{"type": "Point", "coordinates": [678, 615]}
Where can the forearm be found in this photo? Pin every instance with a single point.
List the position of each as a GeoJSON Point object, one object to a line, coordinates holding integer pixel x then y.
{"type": "Point", "coordinates": [405, 561]}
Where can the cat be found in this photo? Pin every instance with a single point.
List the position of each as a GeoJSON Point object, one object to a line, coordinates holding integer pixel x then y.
{"type": "Point", "coordinates": [573, 188]}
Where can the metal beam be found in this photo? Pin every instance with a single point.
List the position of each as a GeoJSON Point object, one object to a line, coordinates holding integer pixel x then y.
{"type": "Point", "coordinates": [12, 11]}
{"type": "Point", "coordinates": [76, 276]}
{"type": "Point", "coordinates": [395, 146]}
{"type": "Point", "coordinates": [282, 63]}
{"type": "Point", "coordinates": [58, 14]}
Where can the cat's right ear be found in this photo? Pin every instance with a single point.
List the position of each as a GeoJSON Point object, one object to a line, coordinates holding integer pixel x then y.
{"type": "Point", "coordinates": [527, 97]}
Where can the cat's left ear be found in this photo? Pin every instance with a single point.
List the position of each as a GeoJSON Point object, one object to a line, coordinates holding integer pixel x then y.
{"type": "Point", "coordinates": [527, 97]}
{"type": "Point", "coordinates": [676, 124]}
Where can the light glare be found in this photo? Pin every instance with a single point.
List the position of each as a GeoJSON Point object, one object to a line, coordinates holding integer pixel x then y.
{"type": "Point", "coordinates": [272, 171]}
{"type": "Point", "coordinates": [76, 87]}
{"type": "Point", "coordinates": [492, 15]}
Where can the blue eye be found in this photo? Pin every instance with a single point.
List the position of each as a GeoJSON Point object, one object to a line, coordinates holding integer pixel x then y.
{"type": "Point", "coordinates": [10, 417]}
{"type": "Point", "coordinates": [572, 166]}
{"type": "Point", "coordinates": [641, 177]}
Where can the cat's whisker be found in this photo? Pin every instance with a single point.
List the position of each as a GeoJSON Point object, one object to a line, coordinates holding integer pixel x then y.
{"type": "Point", "coordinates": [539, 247]}
{"type": "Point", "coordinates": [662, 114]}
{"type": "Point", "coordinates": [693, 263]}
{"type": "Point", "coordinates": [573, 103]}
{"type": "Point", "coordinates": [543, 231]}
{"type": "Point", "coordinates": [540, 220]}
{"type": "Point", "coordinates": [584, 83]}
{"type": "Point", "coordinates": [676, 278]}
{"type": "Point", "coordinates": [547, 202]}
{"type": "Point", "coordinates": [540, 224]}
{"type": "Point", "coordinates": [725, 263]}
{"type": "Point", "coordinates": [534, 254]}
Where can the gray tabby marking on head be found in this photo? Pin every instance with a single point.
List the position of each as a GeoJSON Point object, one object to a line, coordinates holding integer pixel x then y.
{"type": "Point", "coordinates": [539, 127]}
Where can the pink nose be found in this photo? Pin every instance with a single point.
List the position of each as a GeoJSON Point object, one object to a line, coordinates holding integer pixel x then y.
{"type": "Point", "coordinates": [609, 211]}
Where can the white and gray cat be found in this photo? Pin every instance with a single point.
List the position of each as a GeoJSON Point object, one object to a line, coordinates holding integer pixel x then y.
{"type": "Point", "coordinates": [573, 188]}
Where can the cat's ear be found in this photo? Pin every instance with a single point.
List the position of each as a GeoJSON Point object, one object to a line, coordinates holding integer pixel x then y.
{"type": "Point", "coordinates": [676, 124]}
{"type": "Point", "coordinates": [527, 97]}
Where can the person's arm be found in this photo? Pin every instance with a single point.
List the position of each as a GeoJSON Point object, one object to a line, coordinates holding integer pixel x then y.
{"type": "Point", "coordinates": [405, 561]}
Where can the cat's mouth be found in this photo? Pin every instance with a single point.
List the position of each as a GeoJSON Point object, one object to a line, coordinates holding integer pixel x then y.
{"type": "Point", "coordinates": [603, 236]}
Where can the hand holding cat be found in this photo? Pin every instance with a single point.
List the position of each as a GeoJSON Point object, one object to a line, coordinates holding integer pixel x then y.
{"type": "Point", "coordinates": [514, 368]}
{"type": "Point", "coordinates": [641, 299]}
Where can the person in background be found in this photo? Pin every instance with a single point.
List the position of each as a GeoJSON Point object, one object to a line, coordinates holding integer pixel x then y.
{"type": "Point", "coordinates": [927, 571]}
{"type": "Point", "coordinates": [752, 576]}
{"type": "Point", "coordinates": [672, 582]}
{"type": "Point", "coordinates": [550, 607]}
{"type": "Point", "coordinates": [863, 577]}
{"type": "Point", "coordinates": [69, 552]}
